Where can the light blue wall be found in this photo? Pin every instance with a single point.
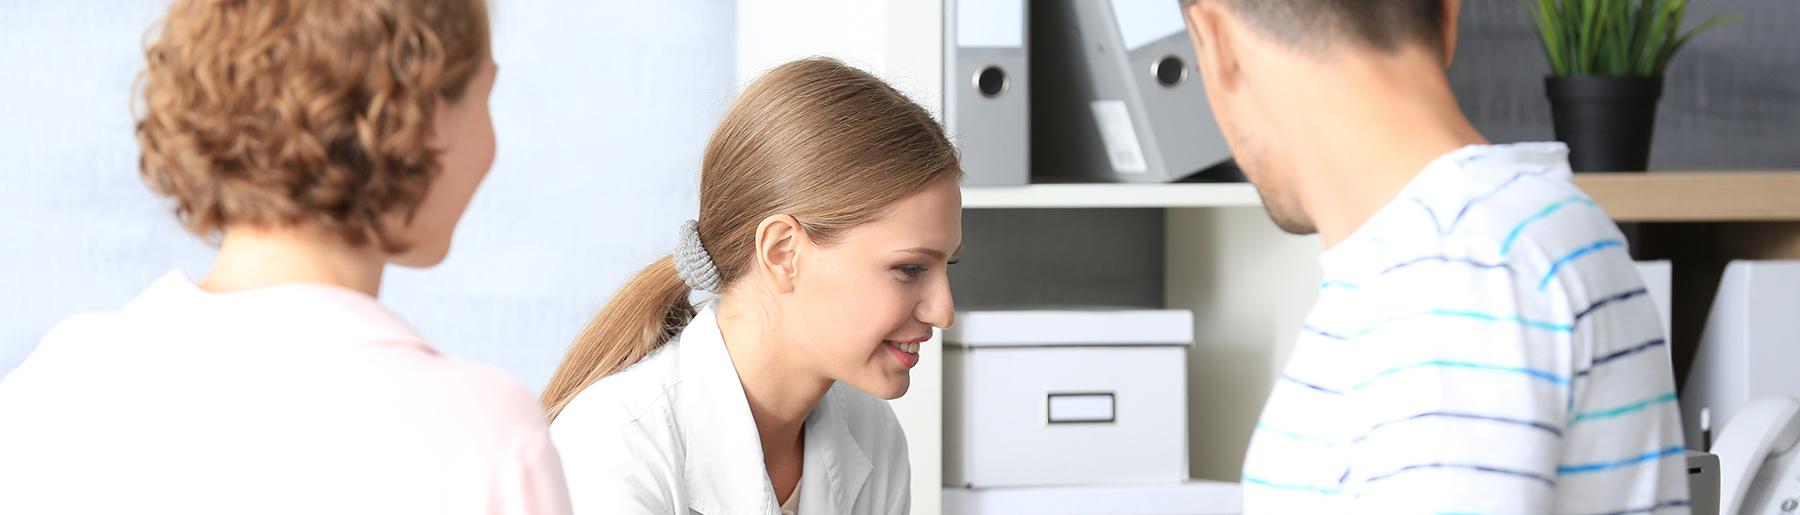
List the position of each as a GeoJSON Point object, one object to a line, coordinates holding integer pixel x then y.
{"type": "Point", "coordinates": [601, 107]}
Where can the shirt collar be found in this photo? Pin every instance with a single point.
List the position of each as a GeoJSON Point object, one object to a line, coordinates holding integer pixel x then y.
{"type": "Point", "coordinates": [724, 461]}
{"type": "Point", "coordinates": [1450, 181]}
{"type": "Point", "coordinates": [836, 463]}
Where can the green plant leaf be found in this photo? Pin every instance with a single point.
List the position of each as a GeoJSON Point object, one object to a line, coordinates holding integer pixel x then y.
{"type": "Point", "coordinates": [1612, 37]}
{"type": "Point", "coordinates": [1652, 48]}
{"type": "Point", "coordinates": [1709, 24]}
{"type": "Point", "coordinates": [1546, 20]}
{"type": "Point", "coordinates": [1616, 58]}
{"type": "Point", "coordinates": [1589, 17]}
{"type": "Point", "coordinates": [1641, 32]}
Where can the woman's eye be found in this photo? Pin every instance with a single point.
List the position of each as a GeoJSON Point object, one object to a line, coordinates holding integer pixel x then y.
{"type": "Point", "coordinates": [911, 271]}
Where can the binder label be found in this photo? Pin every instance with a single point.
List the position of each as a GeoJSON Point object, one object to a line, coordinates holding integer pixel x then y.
{"type": "Point", "coordinates": [1120, 136]}
{"type": "Point", "coordinates": [1142, 22]}
{"type": "Point", "coordinates": [990, 23]}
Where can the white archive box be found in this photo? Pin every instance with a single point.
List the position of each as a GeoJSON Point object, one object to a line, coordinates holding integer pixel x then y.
{"type": "Point", "coordinates": [1075, 397]}
{"type": "Point", "coordinates": [1194, 497]}
{"type": "Point", "coordinates": [1190, 498]}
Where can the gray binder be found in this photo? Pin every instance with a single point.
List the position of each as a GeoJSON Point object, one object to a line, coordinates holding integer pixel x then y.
{"type": "Point", "coordinates": [1117, 97]}
{"type": "Point", "coordinates": [987, 104]}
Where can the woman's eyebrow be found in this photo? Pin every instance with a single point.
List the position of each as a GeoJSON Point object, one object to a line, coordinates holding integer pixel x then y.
{"type": "Point", "coordinates": [930, 252]}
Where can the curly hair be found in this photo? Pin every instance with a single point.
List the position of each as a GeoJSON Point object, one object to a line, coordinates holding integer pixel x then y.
{"type": "Point", "coordinates": [303, 112]}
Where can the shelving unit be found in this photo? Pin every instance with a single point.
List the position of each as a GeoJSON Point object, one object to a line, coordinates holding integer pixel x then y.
{"type": "Point", "coordinates": [1248, 283]}
{"type": "Point", "coordinates": [1062, 196]}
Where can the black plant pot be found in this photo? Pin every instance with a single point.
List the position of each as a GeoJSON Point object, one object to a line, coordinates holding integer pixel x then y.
{"type": "Point", "coordinates": [1607, 121]}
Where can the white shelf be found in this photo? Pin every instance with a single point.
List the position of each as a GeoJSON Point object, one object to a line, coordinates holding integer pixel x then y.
{"type": "Point", "coordinates": [1111, 196]}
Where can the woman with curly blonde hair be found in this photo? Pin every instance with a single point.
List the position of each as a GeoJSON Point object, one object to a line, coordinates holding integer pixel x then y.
{"type": "Point", "coordinates": [317, 141]}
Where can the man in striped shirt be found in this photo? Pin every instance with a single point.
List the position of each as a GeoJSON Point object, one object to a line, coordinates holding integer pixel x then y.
{"type": "Point", "coordinates": [1482, 342]}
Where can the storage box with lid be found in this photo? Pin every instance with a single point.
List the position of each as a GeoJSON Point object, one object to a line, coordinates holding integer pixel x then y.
{"type": "Point", "coordinates": [1066, 397]}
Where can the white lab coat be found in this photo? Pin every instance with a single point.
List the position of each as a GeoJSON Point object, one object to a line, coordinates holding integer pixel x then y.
{"type": "Point", "coordinates": [673, 434]}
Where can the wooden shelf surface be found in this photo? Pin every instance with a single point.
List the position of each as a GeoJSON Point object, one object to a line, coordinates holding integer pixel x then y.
{"type": "Point", "coordinates": [1711, 196]}
{"type": "Point", "coordinates": [1696, 196]}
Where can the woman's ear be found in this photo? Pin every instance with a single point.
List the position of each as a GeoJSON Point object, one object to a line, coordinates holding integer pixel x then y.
{"type": "Point", "coordinates": [778, 242]}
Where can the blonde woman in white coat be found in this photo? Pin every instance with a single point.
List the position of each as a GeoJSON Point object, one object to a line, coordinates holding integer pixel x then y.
{"type": "Point", "coordinates": [829, 211]}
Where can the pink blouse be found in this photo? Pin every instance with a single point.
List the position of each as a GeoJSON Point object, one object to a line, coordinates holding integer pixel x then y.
{"type": "Point", "coordinates": [287, 399]}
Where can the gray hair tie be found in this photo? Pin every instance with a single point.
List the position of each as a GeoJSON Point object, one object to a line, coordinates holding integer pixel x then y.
{"type": "Point", "coordinates": [692, 263]}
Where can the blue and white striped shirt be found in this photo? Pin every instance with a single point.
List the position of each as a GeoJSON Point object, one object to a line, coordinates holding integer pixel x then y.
{"type": "Point", "coordinates": [1482, 344]}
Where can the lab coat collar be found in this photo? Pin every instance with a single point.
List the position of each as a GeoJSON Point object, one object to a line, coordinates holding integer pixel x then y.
{"type": "Point", "coordinates": [836, 464]}
{"type": "Point", "coordinates": [724, 461]}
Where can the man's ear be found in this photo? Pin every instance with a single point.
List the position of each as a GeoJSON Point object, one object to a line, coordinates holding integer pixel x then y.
{"type": "Point", "coordinates": [1452, 21]}
{"type": "Point", "coordinates": [778, 242]}
{"type": "Point", "coordinates": [1214, 47]}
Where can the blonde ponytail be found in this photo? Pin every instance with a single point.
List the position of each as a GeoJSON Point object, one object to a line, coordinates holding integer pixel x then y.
{"type": "Point", "coordinates": [648, 312]}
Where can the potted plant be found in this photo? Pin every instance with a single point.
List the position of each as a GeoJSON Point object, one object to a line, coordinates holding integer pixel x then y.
{"type": "Point", "coordinates": [1606, 73]}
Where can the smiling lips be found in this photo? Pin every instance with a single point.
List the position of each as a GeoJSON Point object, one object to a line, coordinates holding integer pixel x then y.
{"type": "Point", "coordinates": [906, 352]}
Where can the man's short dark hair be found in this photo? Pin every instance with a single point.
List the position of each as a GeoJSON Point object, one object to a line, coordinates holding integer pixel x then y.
{"type": "Point", "coordinates": [1385, 25]}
